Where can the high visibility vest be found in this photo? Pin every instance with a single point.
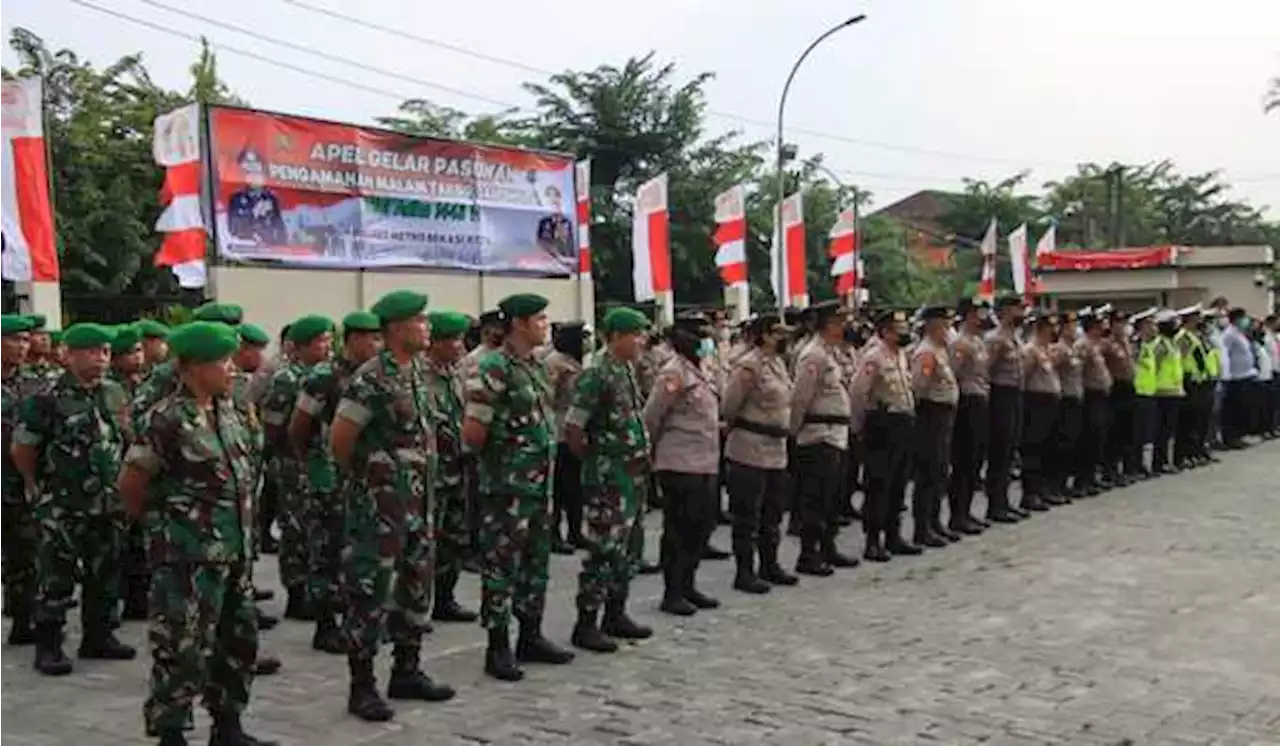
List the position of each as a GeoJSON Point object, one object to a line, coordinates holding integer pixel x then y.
{"type": "Point", "coordinates": [1213, 362]}
{"type": "Point", "coordinates": [1168, 369]}
{"type": "Point", "coordinates": [1144, 369]}
{"type": "Point", "coordinates": [1191, 366]}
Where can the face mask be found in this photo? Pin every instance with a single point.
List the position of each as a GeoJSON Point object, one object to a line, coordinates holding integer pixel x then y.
{"type": "Point", "coordinates": [706, 347]}
{"type": "Point", "coordinates": [724, 334]}
{"type": "Point", "coordinates": [1220, 322]}
{"type": "Point", "coordinates": [782, 345]}
{"type": "Point", "coordinates": [1243, 323]}
{"type": "Point", "coordinates": [904, 339]}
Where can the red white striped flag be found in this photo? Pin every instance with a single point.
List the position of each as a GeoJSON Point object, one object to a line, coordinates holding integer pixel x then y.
{"type": "Point", "coordinates": [789, 266]}
{"type": "Point", "coordinates": [30, 252]}
{"type": "Point", "coordinates": [731, 236]}
{"type": "Point", "coordinates": [990, 245]}
{"type": "Point", "coordinates": [582, 191]}
{"type": "Point", "coordinates": [650, 241]}
{"type": "Point", "coordinates": [177, 148]}
{"type": "Point", "coordinates": [1018, 261]}
{"type": "Point", "coordinates": [844, 252]}
{"type": "Point", "coordinates": [1047, 244]}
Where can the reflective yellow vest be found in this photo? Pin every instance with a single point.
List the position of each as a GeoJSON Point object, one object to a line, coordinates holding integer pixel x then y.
{"type": "Point", "coordinates": [1168, 368]}
{"type": "Point", "coordinates": [1213, 361]}
{"type": "Point", "coordinates": [1144, 369]}
{"type": "Point", "coordinates": [1185, 338]}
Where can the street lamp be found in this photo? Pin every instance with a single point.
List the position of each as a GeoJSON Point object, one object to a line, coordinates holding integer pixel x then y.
{"type": "Point", "coordinates": [782, 106]}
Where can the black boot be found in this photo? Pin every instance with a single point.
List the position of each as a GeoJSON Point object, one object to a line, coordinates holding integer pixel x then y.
{"type": "Point", "coordinates": [363, 701]}
{"type": "Point", "coordinates": [446, 607]}
{"type": "Point", "coordinates": [172, 738]}
{"type": "Point", "coordinates": [227, 731]}
{"type": "Point", "coordinates": [50, 660]}
{"type": "Point", "coordinates": [926, 538]}
{"type": "Point", "coordinates": [266, 621]}
{"type": "Point", "coordinates": [833, 557]}
{"type": "Point", "coordinates": [587, 634]}
{"type": "Point", "coordinates": [746, 580]}
{"type": "Point", "coordinates": [560, 546]}
{"type": "Point", "coordinates": [23, 632]}
{"type": "Point", "coordinates": [409, 682]}
{"type": "Point", "coordinates": [691, 592]}
{"type": "Point", "coordinates": [135, 599]}
{"type": "Point", "coordinates": [263, 594]}
{"type": "Point", "coordinates": [327, 637]}
{"type": "Point", "coordinates": [810, 561]}
{"type": "Point", "coordinates": [712, 552]}
{"type": "Point", "coordinates": [101, 644]}
{"type": "Point", "coordinates": [875, 551]}
{"type": "Point", "coordinates": [894, 544]}
{"type": "Point", "coordinates": [498, 660]}
{"type": "Point", "coordinates": [532, 647]}
{"type": "Point", "coordinates": [617, 623]}
{"type": "Point", "coordinates": [673, 595]}
{"type": "Point", "coordinates": [771, 571]}
{"type": "Point", "coordinates": [297, 608]}
{"type": "Point", "coordinates": [266, 664]}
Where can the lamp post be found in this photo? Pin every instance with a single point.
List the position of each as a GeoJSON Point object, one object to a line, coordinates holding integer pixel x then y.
{"type": "Point", "coordinates": [782, 106]}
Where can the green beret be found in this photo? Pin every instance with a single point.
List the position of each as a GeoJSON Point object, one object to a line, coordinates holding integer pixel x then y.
{"type": "Point", "coordinates": [254, 335]}
{"type": "Point", "coordinates": [204, 341]}
{"type": "Point", "coordinates": [127, 337]}
{"type": "Point", "coordinates": [522, 305]}
{"type": "Point", "coordinates": [15, 324]}
{"type": "Point", "coordinates": [361, 321]}
{"type": "Point", "coordinates": [227, 313]}
{"type": "Point", "coordinates": [55, 338]}
{"type": "Point", "coordinates": [87, 335]}
{"type": "Point", "coordinates": [625, 320]}
{"type": "Point", "coordinates": [399, 304]}
{"type": "Point", "coordinates": [307, 328]}
{"type": "Point", "coordinates": [152, 329]}
{"type": "Point", "coordinates": [38, 321]}
{"type": "Point", "coordinates": [448, 323]}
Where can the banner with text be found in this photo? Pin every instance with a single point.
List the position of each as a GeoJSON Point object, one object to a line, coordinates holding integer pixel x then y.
{"type": "Point", "coordinates": [310, 193]}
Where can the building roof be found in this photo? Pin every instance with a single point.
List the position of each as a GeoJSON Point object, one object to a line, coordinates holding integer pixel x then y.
{"type": "Point", "coordinates": [924, 207]}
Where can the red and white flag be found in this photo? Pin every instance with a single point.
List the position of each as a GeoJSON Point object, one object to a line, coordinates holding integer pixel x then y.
{"type": "Point", "coordinates": [990, 245]}
{"type": "Point", "coordinates": [843, 251]}
{"type": "Point", "coordinates": [1018, 265]}
{"type": "Point", "coordinates": [582, 192]}
{"type": "Point", "coordinates": [650, 241]}
{"type": "Point", "coordinates": [788, 255]}
{"type": "Point", "coordinates": [177, 147]}
{"type": "Point", "coordinates": [30, 250]}
{"type": "Point", "coordinates": [731, 236]}
{"type": "Point", "coordinates": [1047, 244]}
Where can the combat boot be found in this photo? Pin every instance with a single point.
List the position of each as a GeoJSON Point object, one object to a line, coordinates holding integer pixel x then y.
{"type": "Point", "coordinates": [617, 623]}
{"type": "Point", "coordinates": [101, 644]}
{"type": "Point", "coordinates": [927, 538]}
{"type": "Point", "coordinates": [771, 571]}
{"type": "Point", "coordinates": [227, 731]}
{"type": "Point", "coordinates": [446, 607]}
{"type": "Point", "coordinates": [50, 660]}
{"type": "Point", "coordinates": [587, 634]}
{"type": "Point", "coordinates": [832, 556]}
{"type": "Point", "coordinates": [875, 551]}
{"type": "Point", "coordinates": [266, 664]}
{"type": "Point", "coordinates": [894, 544]}
{"type": "Point", "coordinates": [327, 637]}
{"type": "Point", "coordinates": [498, 660]}
{"type": "Point", "coordinates": [297, 608]}
{"type": "Point", "coordinates": [136, 606]}
{"type": "Point", "coordinates": [696, 597]}
{"type": "Point", "coordinates": [673, 594]}
{"type": "Point", "coordinates": [363, 700]}
{"type": "Point", "coordinates": [22, 632]}
{"type": "Point", "coordinates": [745, 580]}
{"type": "Point", "coordinates": [172, 738]}
{"type": "Point", "coordinates": [409, 682]}
{"type": "Point", "coordinates": [533, 647]}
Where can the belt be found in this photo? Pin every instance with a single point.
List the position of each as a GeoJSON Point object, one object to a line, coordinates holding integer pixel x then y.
{"type": "Point", "coordinates": [826, 419]}
{"type": "Point", "coordinates": [759, 428]}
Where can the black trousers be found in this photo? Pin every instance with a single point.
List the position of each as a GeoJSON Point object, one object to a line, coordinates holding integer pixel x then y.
{"type": "Point", "coordinates": [934, 426]}
{"type": "Point", "coordinates": [820, 467]}
{"type": "Point", "coordinates": [757, 499]}
{"type": "Point", "coordinates": [689, 516]}
{"type": "Point", "coordinates": [968, 453]}
{"type": "Point", "coordinates": [1193, 419]}
{"type": "Point", "coordinates": [1167, 410]}
{"type": "Point", "coordinates": [1062, 459]}
{"type": "Point", "coordinates": [1145, 416]}
{"type": "Point", "coordinates": [1006, 422]}
{"type": "Point", "coordinates": [1260, 407]}
{"type": "Point", "coordinates": [1235, 410]}
{"type": "Point", "coordinates": [1120, 435]}
{"type": "Point", "coordinates": [888, 466]}
{"type": "Point", "coordinates": [852, 469]}
{"type": "Point", "coordinates": [1093, 436]}
{"type": "Point", "coordinates": [1039, 431]}
{"type": "Point", "coordinates": [1274, 397]}
{"type": "Point", "coordinates": [567, 498]}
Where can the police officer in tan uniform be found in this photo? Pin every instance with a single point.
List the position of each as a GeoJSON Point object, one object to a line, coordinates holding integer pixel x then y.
{"type": "Point", "coordinates": [1096, 418]}
{"type": "Point", "coordinates": [757, 413]}
{"type": "Point", "coordinates": [937, 394]}
{"type": "Point", "coordinates": [883, 417]}
{"type": "Point", "coordinates": [820, 424]}
{"type": "Point", "coordinates": [1119, 466]}
{"type": "Point", "coordinates": [1004, 354]}
{"type": "Point", "coordinates": [1070, 411]}
{"type": "Point", "coordinates": [1042, 389]}
{"type": "Point", "coordinates": [682, 416]}
{"type": "Point", "coordinates": [970, 363]}
{"type": "Point", "coordinates": [564, 365]}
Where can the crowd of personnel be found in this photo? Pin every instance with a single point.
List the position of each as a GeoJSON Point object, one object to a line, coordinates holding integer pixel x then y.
{"type": "Point", "coordinates": [152, 466]}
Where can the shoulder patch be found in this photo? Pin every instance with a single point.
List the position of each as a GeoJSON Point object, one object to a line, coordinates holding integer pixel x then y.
{"type": "Point", "coordinates": [671, 383]}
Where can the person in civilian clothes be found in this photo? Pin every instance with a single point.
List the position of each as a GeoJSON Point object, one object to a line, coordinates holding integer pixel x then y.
{"type": "Point", "coordinates": [936, 393]}
{"type": "Point", "coordinates": [1042, 389]}
{"type": "Point", "coordinates": [1120, 401]}
{"type": "Point", "coordinates": [1005, 359]}
{"type": "Point", "coordinates": [1238, 372]}
{"type": "Point", "coordinates": [564, 365]}
{"type": "Point", "coordinates": [682, 415]}
{"type": "Point", "coordinates": [970, 363]}
{"type": "Point", "coordinates": [882, 417]}
{"type": "Point", "coordinates": [820, 424]}
{"type": "Point", "coordinates": [757, 411]}
{"type": "Point", "coordinates": [1070, 370]}
{"type": "Point", "coordinates": [1097, 389]}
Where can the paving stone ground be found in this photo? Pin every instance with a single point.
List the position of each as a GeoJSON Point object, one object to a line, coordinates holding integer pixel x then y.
{"type": "Point", "coordinates": [1150, 615]}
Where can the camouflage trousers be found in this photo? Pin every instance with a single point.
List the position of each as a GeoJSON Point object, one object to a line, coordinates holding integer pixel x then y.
{"type": "Point", "coordinates": [615, 529]}
{"type": "Point", "coordinates": [387, 571]}
{"type": "Point", "coordinates": [453, 530]}
{"type": "Point", "coordinates": [78, 548]}
{"type": "Point", "coordinates": [515, 547]}
{"type": "Point", "coordinates": [290, 486]}
{"type": "Point", "coordinates": [21, 542]}
{"type": "Point", "coordinates": [204, 640]}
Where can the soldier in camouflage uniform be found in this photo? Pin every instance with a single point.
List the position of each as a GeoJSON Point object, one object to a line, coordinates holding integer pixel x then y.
{"type": "Point", "coordinates": [190, 475]}
{"type": "Point", "coordinates": [508, 423]}
{"type": "Point", "coordinates": [382, 437]}
{"type": "Point", "coordinates": [42, 364]}
{"type": "Point", "coordinates": [312, 338]}
{"type": "Point", "coordinates": [19, 528]}
{"type": "Point", "coordinates": [452, 524]}
{"type": "Point", "coordinates": [155, 344]}
{"type": "Point", "coordinates": [126, 370]}
{"type": "Point", "coordinates": [68, 446]}
{"type": "Point", "coordinates": [308, 431]}
{"type": "Point", "coordinates": [604, 427]}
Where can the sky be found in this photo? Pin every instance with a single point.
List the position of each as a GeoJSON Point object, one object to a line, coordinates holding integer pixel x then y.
{"type": "Point", "coordinates": [920, 95]}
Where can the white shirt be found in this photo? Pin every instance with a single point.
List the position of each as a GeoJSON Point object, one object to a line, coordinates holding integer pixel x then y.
{"type": "Point", "coordinates": [1266, 366]}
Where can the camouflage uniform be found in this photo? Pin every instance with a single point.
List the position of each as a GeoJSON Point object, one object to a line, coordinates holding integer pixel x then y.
{"type": "Point", "coordinates": [134, 573]}
{"type": "Point", "coordinates": [286, 472]}
{"type": "Point", "coordinates": [511, 396]}
{"type": "Point", "coordinates": [18, 522]}
{"type": "Point", "coordinates": [615, 477]}
{"type": "Point", "coordinates": [387, 562]}
{"type": "Point", "coordinates": [200, 523]}
{"type": "Point", "coordinates": [80, 516]}
{"type": "Point", "coordinates": [160, 382]}
{"type": "Point", "coordinates": [454, 538]}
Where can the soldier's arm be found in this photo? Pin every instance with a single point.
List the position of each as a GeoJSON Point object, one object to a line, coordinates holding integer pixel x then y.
{"type": "Point", "coordinates": [306, 411]}
{"type": "Point", "coordinates": [665, 390]}
{"type": "Point", "coordinates": [35, 425]}
{"type": "Point", "coordinates": [808, 370]}
{"type": "Point", "coordinates": [484, 388]}
{"type": "Point", "coordinates": [146, 458]}
{"type": "Point", "coordinates": [275, 409]}
{"type": "Point", "coordinates": [353, 414]}
{"type": "Point", "coordinates": [586, 399]}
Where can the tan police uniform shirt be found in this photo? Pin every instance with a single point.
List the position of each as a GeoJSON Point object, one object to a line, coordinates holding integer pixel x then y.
{"type": "Point", "coordinates": [1070, 369]}
{"type": "Point", "coordinates": [1040, 375]}
{"type": "Point", "coordinates": [883, 382]}
{"type": "Point", "coordinates": [1119, 358]}
{"type": "Point", "coordinates": [1004, 355]}
{"type": "Point", "coordinates": [1094, 368]}
{"type": "Point", "coordinates": [682, 416]}
{"type": "Point", "coordinates": [932, 378]}
{"type": "Point", "coordinates": [971, 364]}
{"type": "Point", "coordinates": [758, 392]}
{"type": "Point", "coordinates": [820, 391]}
{"type": "Point", "coordinates": [562, 372]}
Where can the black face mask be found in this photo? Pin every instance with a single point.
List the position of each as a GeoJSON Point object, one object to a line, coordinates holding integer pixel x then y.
{"type": "Point", "coordinates": [904, 339]}
{"type": "Point", "coordinates": [783, 344]}
{"type": "Point", "coordinates": [1168, 330]}
{"type": "Point", "coordinates": [852, 336]}
{"type": "Point", "coordinates": [987, 323]}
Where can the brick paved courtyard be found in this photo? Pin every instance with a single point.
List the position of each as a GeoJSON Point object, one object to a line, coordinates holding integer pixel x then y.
{"type": "Point", "coordinates": [1147, 616]}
